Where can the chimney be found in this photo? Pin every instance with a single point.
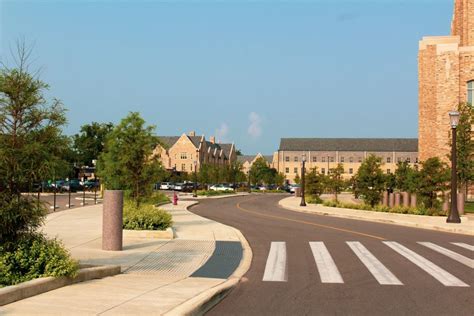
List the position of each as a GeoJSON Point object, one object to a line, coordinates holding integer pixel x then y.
{"type": "Point", "coordinates": [192, 133]}
{"type": "Point", "coordinates": [212, 139]}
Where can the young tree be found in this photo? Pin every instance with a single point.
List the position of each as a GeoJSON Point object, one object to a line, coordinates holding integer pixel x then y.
{"type": "Point", "coordinates": [433, 178]}
{"type": "Point", "coordinates": [314, 183]}
{"type": "Point", "coordinates": [126, 162]}
{"type": "Point", "coordinates": [279, 179]}
{"type": "Point", "coordinates": [465, 146]}
{"type": "Point", "coordinates": [405, 177]}
{"type": "Point", "coordinates": [259, 171]}
{"type": "Point", "coordinates": [90, 141]}
{"type": "Point", "coordinates": [297, 179]}
{"type": "Point", "coordinates": [335, 183]}
{"type": "Point", "coordinates": [204, 176]}
{"type": "Point", "coordinates": [370, 180]}
{"type": "Point", "coordinates": [31, 146]}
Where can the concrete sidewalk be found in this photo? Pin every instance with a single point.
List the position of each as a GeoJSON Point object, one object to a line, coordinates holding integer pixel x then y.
{"type": "Point", "coordinates": [158, 276]}
{"type": "Point", "coordinates": [466, 226]}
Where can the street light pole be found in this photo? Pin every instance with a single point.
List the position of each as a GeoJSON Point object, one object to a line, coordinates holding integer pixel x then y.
{"type": "Point", "coordinates": [303, 171]}
{"type": "Point", "coordinates": [248, 180]}
{"type": "Point", "coordinates": [195, 179]}
{"type": "Point", "coordinates": [454, 213]}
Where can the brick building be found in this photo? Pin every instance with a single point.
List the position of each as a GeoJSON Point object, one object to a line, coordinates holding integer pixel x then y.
{"type": "Point", "coordinates": [326, 153]}
{"type": "Point", "coordinates": [446, 78]}
{"type": "Point", "coordinates": [180, 153]}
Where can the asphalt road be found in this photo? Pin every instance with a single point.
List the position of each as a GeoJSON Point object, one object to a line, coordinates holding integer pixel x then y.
{"type": "Point", "coordinates": [290, 276]}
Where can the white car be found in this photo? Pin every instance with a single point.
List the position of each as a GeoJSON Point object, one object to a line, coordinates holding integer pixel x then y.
{"type": "Point", "coordinates": [293, 187]}
{"type": "Point", "coordinates": [220, 187]}
{"type": "Point", "coordinates": [165, 186]}
{"type": "Point", "coordinates": [178, 187]}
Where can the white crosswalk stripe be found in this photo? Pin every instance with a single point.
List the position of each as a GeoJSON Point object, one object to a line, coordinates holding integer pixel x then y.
{"type": "Point", "coordinates": [275, 269]}
{"type": "Point", "coordinates": [451, 254]}
{"type": "Point", "coordinates": [463, 245]}
{"type": "Point", "coordinates": [436, 272]}
{"type": "Point", "coordinates": [327, 268]}
{"type": "Point", "coordinates": [378, 270]}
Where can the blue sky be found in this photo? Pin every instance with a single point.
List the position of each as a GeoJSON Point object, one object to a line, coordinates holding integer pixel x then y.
{"type": "Point", "coordinates": [248, 71]}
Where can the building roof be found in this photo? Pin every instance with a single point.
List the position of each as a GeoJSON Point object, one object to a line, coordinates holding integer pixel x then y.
{"type": "Point", "coordinates": [250, 158]}
{"type": "Point", "coordinates": [169, 141]}
{"type": "Point", "coordinates": [350, 144]}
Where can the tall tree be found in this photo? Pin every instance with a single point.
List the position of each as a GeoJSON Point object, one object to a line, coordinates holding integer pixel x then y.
{"type": "Point", "coordinates": [433, 178]}
{"type": "Point", "coordinates": [259, 171]}
{"type": "Point", "coordinates": [127, 162]}
{"type": "Point", "coordinates": [405, 177]}
{"type": "Point", "coordinates": [335, 182]}
{"type": "Point", "coordinates": [90, 141]}
{"type": "Point", "coordinates": [370, 180]}
{"type": "Point", "coordinates": [314, 182]}
{"type": "Point", "coordinates": [465, 146]}
{"type": "Point", "coordinates": [31, 144]}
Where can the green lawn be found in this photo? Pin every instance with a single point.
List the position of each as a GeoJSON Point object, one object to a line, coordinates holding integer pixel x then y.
{"type": "Point", "coordinates": [469, 208]}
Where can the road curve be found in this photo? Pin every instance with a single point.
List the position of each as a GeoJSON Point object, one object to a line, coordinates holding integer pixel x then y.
{"type": "Point", "coordinates": [306, 264]}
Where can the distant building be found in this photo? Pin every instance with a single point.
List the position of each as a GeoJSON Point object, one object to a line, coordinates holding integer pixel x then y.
{"type": "Point", "coordinates": [181, 153]}
{"type": "Point", "coordinates": [326, 153]}
{"type": "Point", "coordinates": [248, 160]}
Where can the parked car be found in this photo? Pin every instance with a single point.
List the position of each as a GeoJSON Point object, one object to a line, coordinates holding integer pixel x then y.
{"type": "Point", "coordinates": [164, 186]}
{"type": "Point", "coordinates": [293, 187]}
{"type": "Point", "coordinates": [188, 187]}
{"type": "Point", "coordinates": [220, 187]}
{"type": "Point", "coordinates": [91, 184]}
{"type": "Point", "coordinates": [74, 185]}
{"type": "Point", "coordinates": [178, 187]}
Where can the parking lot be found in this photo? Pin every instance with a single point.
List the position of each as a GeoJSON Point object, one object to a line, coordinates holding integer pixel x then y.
{"type": "Point", "coordinates": [62, 200]}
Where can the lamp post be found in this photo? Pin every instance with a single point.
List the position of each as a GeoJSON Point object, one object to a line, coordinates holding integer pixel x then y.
{"type": "Point", "coordinates": [454, 214]}
{"type": "Point", "coordinates": [195, 179]}
{"type": "Point", "coordinates": [248, 182]}
{"type": "Point", "coordinates": [303, 171]}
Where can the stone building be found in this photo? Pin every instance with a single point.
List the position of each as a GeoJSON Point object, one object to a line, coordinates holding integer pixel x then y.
{"type": "Point", "coordinates": [181, 153]}
{"type": "Point", "coordinates": [446, 78]}
{"type": "Point", "coordinates": [326, 153]}
{"type": "Point", "coordinates": [248, 160]}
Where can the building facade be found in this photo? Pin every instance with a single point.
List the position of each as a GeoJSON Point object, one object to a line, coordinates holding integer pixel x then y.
{"type": "Point", "coordinates": [186, 152]}
{"type": "Point", "coordinates": [446, 78]}
{"type": "Point", "coordinates": [248, 160]}
{"type": "Point", "coordinates": [326, 153]}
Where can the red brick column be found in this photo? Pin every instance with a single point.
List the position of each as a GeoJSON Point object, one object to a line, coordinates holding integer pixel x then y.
{"type": "Point", "coordinates": [112, 220]}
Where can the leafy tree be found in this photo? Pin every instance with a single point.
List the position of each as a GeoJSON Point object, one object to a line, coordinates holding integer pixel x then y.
{"type": "Point", "coordinates": [297, 179]}
{"type": "Point", "coordinates": [259, 171]}
{"type": "Point", "coordinates": [31, 146]}
{"type": "Point", "coordinates": [314, 182]}
{"type": "Point", "coordinates": [465, 146]}
{"type": "Point", "coordinates": [370, 180]}
{"type": "Point", "coordinates": [433, 178]}
{"type": "Point", "coordinates": [406, 177]}
{"type": "Point", "coordinates": [335, 182]}
{"type": "Point", "coordinates": [90, 141]}
{"type": "Point", "coordinates": [279, 179]}
{"type": "Point", "coordinates": [127, 162]}
{"type": "Point", "coordinates": [204, 176]}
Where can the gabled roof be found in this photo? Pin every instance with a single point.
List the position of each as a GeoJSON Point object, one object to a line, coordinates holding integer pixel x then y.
{"type": "Point", "coordinates": [250, 158]}
{"type": "Point", "coordinates": [168, 141]}
{"type": "Point", "coordinates": [350, 144]}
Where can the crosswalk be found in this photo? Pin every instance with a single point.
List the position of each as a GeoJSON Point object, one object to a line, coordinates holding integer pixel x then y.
{"type": "Point", "coordinates": [276, 264]}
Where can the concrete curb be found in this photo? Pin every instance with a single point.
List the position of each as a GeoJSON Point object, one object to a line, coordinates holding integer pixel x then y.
{"type": "Point", "coordinates": [153, 234]}
{"type": "Point", "coordinates": [329, 212]}
{"type": "Point", "coordinates": [203, 302]}
{"type": "Point", "coordinates": [27, 289]}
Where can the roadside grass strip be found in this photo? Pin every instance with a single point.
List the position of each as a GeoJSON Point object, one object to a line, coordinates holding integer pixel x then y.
{"type": "Point", "coordinates": [378, 270]}
{"type": "Point", "coordinates": [463, 245]}
{"type": "Point", "coordinates": [275, 269]}
{"type": "Point", "coordinates": [451, 254]}
{"type": "Point", "coordinates": [429, 267]}
{"type": "Point", "coordinates": [326, 267]}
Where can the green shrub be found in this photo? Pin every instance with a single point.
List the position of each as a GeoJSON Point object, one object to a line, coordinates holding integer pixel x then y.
{"type": "Point", "coordinates": [420, 210]}
{"type": "Point", "coordinates": [214, 193]}
{"type": "Point", "coordinates": [314, 199]}
{"type": "Point", "coordinates": [34, 257]}
{"type": "Point", "coordinates": [156, 198]}
{"type": "Point", "coordinates": [145, 217]}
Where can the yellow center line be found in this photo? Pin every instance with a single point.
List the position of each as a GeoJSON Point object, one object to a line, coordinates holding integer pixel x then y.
{"type": "Point", "coordinates": [305, 222]}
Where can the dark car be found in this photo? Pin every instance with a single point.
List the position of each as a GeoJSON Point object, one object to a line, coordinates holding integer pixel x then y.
{"type": "Point", "coordinates": [187, 187]}
{"type": "Point", "coordinates": [73, 185]}
{"type": "Point", "coordinates": [91, 184]}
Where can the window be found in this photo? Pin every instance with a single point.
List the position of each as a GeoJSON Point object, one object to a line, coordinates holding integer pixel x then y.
{"type": "Point", "coordinates": [351, 171]}
{"type": "Point", "coordinates": [296, 159]}
{"type": "Point", "coordinates": [408, 160]}
{"type": "Point", "coordinates": [360, 159]}
{"type": "Point", "coordinates": [351, 159]}
{"type": "Point", "coordinates": [295, 170]}
{"type": "Point", "coordinates": [470, 92]}
{"type": "Point", "coordinates": [388, 171]}
{"type": "Point", "coordinates": [287, 170]}
{"type": "Point", "coordinates": [416, 160]}
{"type": "Point", "coordinates": [184, 155]}
{"type": "Point", "coordinates": [324, 159]}
{"type": "Point", "coordinates": [331, 159]}
{"type": "Point", "coordinates": [342, 159]}
{"type": "Point", "coordinates": [183, 167]}
{"type": "Point", "coordinates": [315, 159]}
{"type": "Point", "coordinates": [287, 158]}
{"type": "Point", "coordinates": [323, 171]}
{"type": "Point", "coordinates": [399, 159]}
{"type": "Point", "coordinates": [389, 160]}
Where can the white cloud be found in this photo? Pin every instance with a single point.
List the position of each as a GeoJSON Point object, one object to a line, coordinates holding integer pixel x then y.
{"type": "Point", "coordinates": [255, 127]}
{"type": "Point", "coordinates": [222, 132]}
